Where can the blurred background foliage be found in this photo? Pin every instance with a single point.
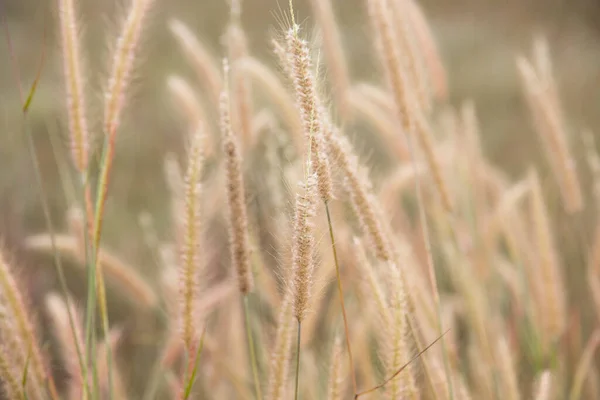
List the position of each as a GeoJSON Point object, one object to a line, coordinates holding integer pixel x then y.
{"type": "Point", "coordinates": [478, 40]}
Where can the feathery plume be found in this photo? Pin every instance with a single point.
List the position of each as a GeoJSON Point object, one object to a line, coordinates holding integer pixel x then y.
{"type": "Point", "coordinates": [359, 187]}
{"type": "Point", "coordinates": [310, 109]}
{"type": "Point", "coordinates": [238, 219]}
{"type": "Point", "coordinates": [542, 97]}
{"type": "Point", "coordinates": [335, 390]}
{"type": "Point", "coordinates": [547, 276]}
{"type": "Point", "coordinates": [191, 237]}
{"type": "Point", "coordinates": [72, 59]}
{"type": "Point", "coordinates": [9, 374]}
{"type": "Point", "coordinates": [122, 64]}
{"type": "Point", "coordinates": [303, 247]}
{"type": "Point", "coordinates": [281, 351]}
{"type": "Point", "coordinates": [17, 318]}
{"type": "Point", "coordinates": [411, 116]}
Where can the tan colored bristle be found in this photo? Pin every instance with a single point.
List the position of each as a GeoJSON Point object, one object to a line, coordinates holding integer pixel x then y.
{"type": "Point", "coordinates": [236, 199]}
{"type": "Point", "coordinates": [542, 98]}
{"type": "Point", "coordinates": [72, 60]}
{"type": "Point", "coordinates": [281, 351]}
{"type": "Point", "coordinates": [191, 239]}
{"type": "Point", "coordinates": [310, 110]}
{"type": "Point", "coordinates": [551, 301]}
{"type": "Point", "coordinates": [395, 338]}
{"type": "Point", "coordinates": [303, 248]}
{"type": "Point", "coordinates": [359, 187]}
{"type": "Point", "coordinates": [411, 116]}
{"type": "Point", "coordinates": [18, 315]}
{"type": "Point", "coordinates": [10, 376]}
{"type": "Point", "coordinates": [122, 64]}
{"type": "Point", "coordinates": [335, 389]}
{"type": "Point", "coordinates": [283, 57]}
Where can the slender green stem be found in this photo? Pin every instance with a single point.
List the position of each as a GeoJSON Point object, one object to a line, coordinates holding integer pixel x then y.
{"type": "Point", "coordinates": [251, 350]}
{"type": "Point", "coordinates": [299, 336]}
{"type": "Point", "coordinates": [196, 361]}
{"type": "Point", "coordinates": [57, 260]}
{"type": "Point", "coordinates": [96, 275]}
{"type": "Point", "coordinates": [341, 294]}
{"type": "Point", "coordinates": [90, 337]}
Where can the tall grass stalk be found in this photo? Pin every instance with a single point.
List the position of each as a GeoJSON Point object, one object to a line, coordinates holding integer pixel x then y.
{"type": "Point", "coordinates": [413, 121]}
{"type": "Point", "coordinates": [26, 103]}
{"type": "Point", "coordinates": [341, 295]}
{"type": "Point", "coordinates": [251, 349]}
{"type": "Point", "coordinates": [298, 347]}
{"type": "Point", "coordinates": [95, 274]}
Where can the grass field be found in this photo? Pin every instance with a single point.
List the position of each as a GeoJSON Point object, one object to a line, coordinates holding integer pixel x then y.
{"type": "Point", "coordinates": [463, 199]}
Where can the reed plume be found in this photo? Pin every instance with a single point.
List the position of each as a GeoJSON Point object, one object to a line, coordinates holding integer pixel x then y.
{"type": "Point", "coordinates": [359, 186]}
{"type": "Point", "coordinates": [542, 98]}
{"type": "Point", "coordinates": [410, 114]}
{"type": "Point", "coordinates": [238, 219]}
{"type": "Point", "coordinates": [335, 389]}
{"type": "Point", "coordinates": [547, 278]}
{"type": "Point", "coordinates": [303, 247]}
{"type": "Point", "coordinates": [76, 104]}
{"type": "Point", "coordinates": [190, 259]}
{"type": "Point", "coordinates": [16, 325]}
{"type": "Point", "coordinates": [281, 351]}
{"type": "Point", "coordinates": [310, 109]}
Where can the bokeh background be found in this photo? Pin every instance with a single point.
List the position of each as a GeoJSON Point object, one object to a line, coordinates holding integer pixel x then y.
{"type": "Point", "coordinates": [478, 41]}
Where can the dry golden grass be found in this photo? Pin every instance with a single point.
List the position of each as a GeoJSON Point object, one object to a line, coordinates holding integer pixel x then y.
{"type": "Point", "coordinates": [423, 272]}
